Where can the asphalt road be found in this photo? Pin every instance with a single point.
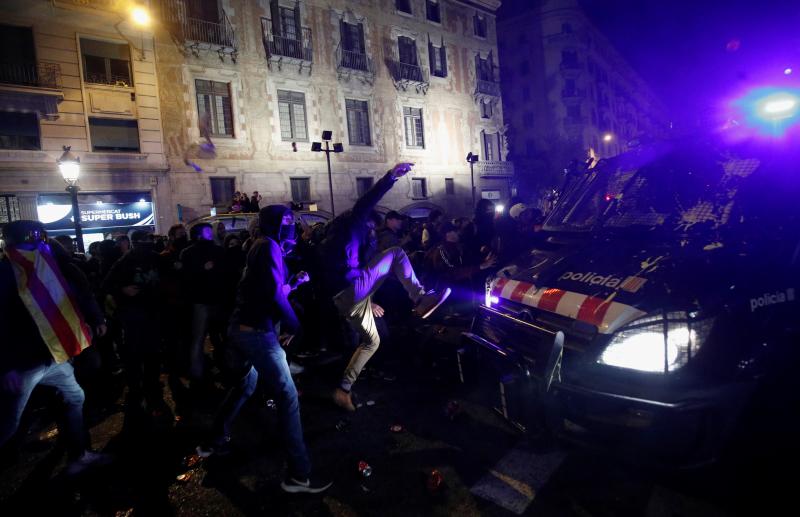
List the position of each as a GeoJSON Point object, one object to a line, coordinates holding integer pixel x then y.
{"type": "Point", "coordinates": [487, 466]}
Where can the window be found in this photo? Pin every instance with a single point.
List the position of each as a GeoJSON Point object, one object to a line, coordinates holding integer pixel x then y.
{"type": "Point", "coordinates": [214, 105]}
{"type": "Point", "coordinates": [403, 6]}
{"type": "Point", "coordinates": [9, 209]}
{"type": "Point", "coordinates": [525, 93]}
{"type": "Point", "coordinates": [222, 190]}
{"type": "Point", "coordinates": [484, 68]}
{"type": "Point", "coordinates": [301, 189]}
{"type": "Point", "coordinates": [18, 54]}
{"type": "Point", "coordinates": [353, 46]}
{"type": "Point", "coordinates": [569, 58]}
{"type": "Point", "coordinates": [114, 135]}
{"type": "Point", "coordinates": [407, 50]}
{"type": "Point", "coordinates": [205, 10]}
{"type": "Point", "coordinates": [486, 109]}
{"type": "Point", "coordinates": [19, 131]}
{"type": "Point", "coordinates": [491, 146]}
{"type": "Point", "coordinates": [433, 11]}
{"type": "Point", "coordinates": [574, 113]}
{"type": "Point", "coordinates": [480, 26]}
{"type": "Point", "coordinates": [524, 68]}
{"type": "Point", "coordinates": [415, 136]}
{"type": "Point", "coordinates": [438, 58]}
{"type": "Point", "coordinates": [292, 112]}
{"type": "Point", "coordinates": [569, 86]}
{"type": "Point", "coordinates": [419, 188]}
{"type": "Point", "coordinates": [528, 118]}
{"type": "Point", "coordinates": [358, 122]}
{"type": "Point", "coordinates": [363, 185]}
{"type": "Point", "coordinates": [289, 21]}
{"type": "Point", "coordinates": [106, 63]}
{"type": "Point", "coordinates": [449, 186]}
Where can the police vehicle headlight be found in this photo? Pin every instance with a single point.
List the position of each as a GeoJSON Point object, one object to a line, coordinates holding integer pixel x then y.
{"type": "Point", "coordinates": [657, 342]}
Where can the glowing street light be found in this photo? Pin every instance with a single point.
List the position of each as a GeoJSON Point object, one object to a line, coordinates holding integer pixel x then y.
{"type": "Point", "coordinates": [787, 71]}
{"type": "Point", "coordinates": [140, 16]}
{"type": "Point", "coordinates": [69, 165]}
{"type": "Point", "coordinates": [608, 137]}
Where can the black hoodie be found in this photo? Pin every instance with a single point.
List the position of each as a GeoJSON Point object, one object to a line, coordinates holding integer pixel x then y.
{"type": "Point", "coordinates": [262, 298]}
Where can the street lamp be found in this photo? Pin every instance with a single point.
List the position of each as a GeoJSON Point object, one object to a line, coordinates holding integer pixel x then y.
{"type": "Point", "coordinates": [471, 159]}
{"type": "Point", "coordinates": [140, 17]}
{"type": "Point", "coordinates": [70, 167]}
{"type": "Point", "coordinates": [337, 148]}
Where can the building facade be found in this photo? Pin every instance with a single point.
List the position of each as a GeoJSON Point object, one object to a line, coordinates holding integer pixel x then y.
{"type": "Point", "coordinates": [568, 92]}
{"type": "Point", "coordinates": [79, 73]}
{"type": "Point", "coordinates": [391, 80]}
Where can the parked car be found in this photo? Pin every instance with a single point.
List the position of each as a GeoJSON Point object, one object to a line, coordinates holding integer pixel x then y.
{"type": "Point", "coordinates": [659, 317]}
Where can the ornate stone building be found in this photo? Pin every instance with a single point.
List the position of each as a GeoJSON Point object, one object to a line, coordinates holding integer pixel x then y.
{"type": "Point", "coordinates": [393, 80]}
{"type": "Point", "coordinates": [79, 73]}
{"type": "Point", "coordinates": [568, 92]}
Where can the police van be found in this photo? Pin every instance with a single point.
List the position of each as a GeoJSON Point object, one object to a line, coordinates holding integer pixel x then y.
{"type": "Point", "coordinates": [658, 315]}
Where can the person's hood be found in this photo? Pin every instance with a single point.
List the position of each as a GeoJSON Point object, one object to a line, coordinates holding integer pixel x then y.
{"type": "Point", "coordinates": [270, 219]}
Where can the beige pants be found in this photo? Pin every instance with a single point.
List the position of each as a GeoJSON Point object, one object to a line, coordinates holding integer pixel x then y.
{"type": "Point", "coordinates": [355, 304]}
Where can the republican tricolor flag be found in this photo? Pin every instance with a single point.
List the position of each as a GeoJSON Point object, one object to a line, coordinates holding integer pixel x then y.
{"type": "Point", "coordinates": [49, 300]}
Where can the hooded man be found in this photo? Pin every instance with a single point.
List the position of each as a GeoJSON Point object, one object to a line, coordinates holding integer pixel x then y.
{"type": "Point", "coordinates": [46, 311]}
{"type": "Point", "coordinates": [262, 314]}
{"type": "Point", "coordinates": [355, 273]}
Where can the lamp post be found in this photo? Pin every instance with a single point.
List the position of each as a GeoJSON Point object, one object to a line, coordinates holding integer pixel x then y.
{"type": "Point", "coordinates": [70, 167]}
{"type": "Point", "coordinates": [337, 148]}
{"type": "Point", "coordinates": [471, 159]}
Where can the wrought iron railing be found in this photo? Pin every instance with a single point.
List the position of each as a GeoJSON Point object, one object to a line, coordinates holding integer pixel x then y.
{"type": "Point", "coordinates": [113, 79]}
{"type": "Point", "coordinates": [495, 168]}
{"type": "Point", "coordinates": [353, 60]}
{"type": "Point", "coordinates": [571, 93]}
{"type": "Point", "coordinates": [406, 72]}
{"type": "Point", "coordinates": [488, 87]}
{"type": "Point", "coordinates": [40, 75]}
{"type": "Point", "coordinates": [297, 47]}
{"type": "Point", "coordinates": [220, 34]}
{"type": "Point", "coordinates": [570, 65]}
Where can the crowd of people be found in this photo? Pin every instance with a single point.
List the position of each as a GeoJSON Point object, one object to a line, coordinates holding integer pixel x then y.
{"type": "Point", "coordinates": [148, 306]}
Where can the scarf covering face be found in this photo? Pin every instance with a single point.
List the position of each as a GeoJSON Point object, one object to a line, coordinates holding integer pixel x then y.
{"type": "Point", "coordinates": [49, 300]}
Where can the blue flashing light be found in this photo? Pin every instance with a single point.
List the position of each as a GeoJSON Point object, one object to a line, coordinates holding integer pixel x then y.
{"type": "Point", "coordinates": [771, 111]}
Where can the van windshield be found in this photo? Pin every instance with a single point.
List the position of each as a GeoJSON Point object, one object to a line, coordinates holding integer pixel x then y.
{"type": "Point", "coordinates": [673, 192]}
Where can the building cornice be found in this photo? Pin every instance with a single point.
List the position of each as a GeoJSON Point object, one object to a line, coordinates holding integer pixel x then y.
{"type": "Point", "coordinates": [488, 6]}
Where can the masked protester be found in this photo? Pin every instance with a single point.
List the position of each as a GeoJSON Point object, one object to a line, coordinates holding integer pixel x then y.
{"type": "Point", "coordinates": [354, 277]}
{"type": "Point", "coordinates": [204, 279]}
{"type": "Point", "coordinates": [42, 329]}
{"type": "Point", "coordinates": [262, 314]}
{"type": "Point", "coordinates": [135, 284]}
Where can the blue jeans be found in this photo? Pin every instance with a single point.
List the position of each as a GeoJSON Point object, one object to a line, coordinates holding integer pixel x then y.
{"type": "Point", "coordinates": [59, 376]}
{"type": "Point", "coordinates": [269, 362]}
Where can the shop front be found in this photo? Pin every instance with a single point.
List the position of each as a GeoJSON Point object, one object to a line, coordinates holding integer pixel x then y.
{"type": "Point", "coordinates": [103, 214]}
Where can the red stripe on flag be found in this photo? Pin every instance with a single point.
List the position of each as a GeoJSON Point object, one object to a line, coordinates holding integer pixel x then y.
{"type": "Point", "coordinates": [497, 290]}
{"type": "Point", "coordinates": [61, 327]}
{"type": "Point", "coordinates": [593, 310]}
{"type": "Point", "coordinates": [70, 295]}
{"type": "Point", "coordinates": [519, 291]}
{"type": "Point", "coordinates": [550, 299]}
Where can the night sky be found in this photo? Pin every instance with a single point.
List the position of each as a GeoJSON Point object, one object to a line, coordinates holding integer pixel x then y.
{"type": "Point", "coordinates": [699, 54]}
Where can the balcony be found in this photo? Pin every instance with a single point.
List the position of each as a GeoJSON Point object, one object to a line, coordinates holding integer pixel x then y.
{"type": "Point", "coordinates": [573, 93]}
{"type": "Point", "coordinates": [407, 74]}
{"type": "Point", "coordinates": [289, 48]}
{"type": "Point", "coordinates": [36, 75]}
{"type": "Point", "coordinates": [570, 65]}
{"type": "Point", "coordinates": [33, 87]}
{"type": "Point", "coordinates": [486, 87]}
{"type": "Point", "coordinates": [495, 169]}
{"type": "Point", "coordinates": [197, 35]}
{"type": "Point", "coordinates": [350, 62]}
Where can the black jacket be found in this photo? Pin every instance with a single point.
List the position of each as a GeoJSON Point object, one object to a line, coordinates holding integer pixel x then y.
{"type": "Point", "coordinates": [141, 268]}
{"type": "Point", "coordinates": [201, 285]}
{"type": "Point", "coordinates": [345, 244]}
{"type": "Point", "coordinates": [262, 297]}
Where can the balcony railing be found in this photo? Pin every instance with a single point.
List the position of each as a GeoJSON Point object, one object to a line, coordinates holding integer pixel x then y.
{"type": "Point", "coordinates": [354, 60]}
{"type": "Point", "coordinates": [286, 46]}
{"type": "Point", "coordinates": [488, 87]}
{"type": "Point", "coordinates": [405, 72]}
{"type": "Point", "coordinates": [495, 169]}
{"type": "Point", "coordinates": [570, 65]}
{"type": "Point", "coordinates": [219, 35]}
{"type": "Point", "coordinates": [39, 75]}
{"type": "Point", "coordinates": [573, 93]}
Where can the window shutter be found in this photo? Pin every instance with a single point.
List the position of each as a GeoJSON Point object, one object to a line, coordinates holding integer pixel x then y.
{"type": "Point", "coordinates": [431, 59]}
{"type": "Point", "coordinates": [360, 40]}
{"type": "Point", "coordinates": [276, 17]}
{"type": "Point", "coordinates": [298, 27]}
{"type": "Point", "coordinates": [344, 34]}
{"type": "Point", "coordinates": [443, 51]}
